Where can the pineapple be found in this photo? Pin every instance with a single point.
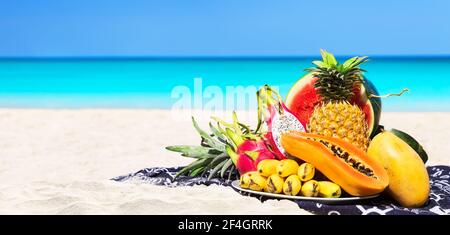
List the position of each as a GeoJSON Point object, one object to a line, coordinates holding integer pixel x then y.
{"type": "Point", "coordinates": [335, 116]}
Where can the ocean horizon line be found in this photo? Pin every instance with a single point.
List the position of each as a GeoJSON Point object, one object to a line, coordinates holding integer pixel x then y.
{"type": "Point", "coordinates": [218, 58]}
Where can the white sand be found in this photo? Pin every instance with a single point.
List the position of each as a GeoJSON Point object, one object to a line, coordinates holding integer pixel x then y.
{"type": "Point", "coordinates": [60, 162]}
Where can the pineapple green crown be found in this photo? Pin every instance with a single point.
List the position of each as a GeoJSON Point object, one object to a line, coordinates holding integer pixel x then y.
{"type": "Point", "coordinates": [336, 81]}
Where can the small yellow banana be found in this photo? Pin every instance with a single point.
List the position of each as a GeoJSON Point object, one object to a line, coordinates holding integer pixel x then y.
{"type": "Point", "coordinates": [244, 181]}
{"type": "Point", "coordinates": [310, 188]}
{"type": "Point", "coordinates": [267, 167]}
{"type": "Point", "coordinates": [257, 182]}
{"type": "Point", "coordinates": [306, 171]}
{"type": "Point", "coordinates": [292, 185]}
{"type": "Point", "coordinates": [287, 167]}
{"type": "Point", "coordinates": [274, 184]}
{"type": "Point", "coordinates": [329, 189]}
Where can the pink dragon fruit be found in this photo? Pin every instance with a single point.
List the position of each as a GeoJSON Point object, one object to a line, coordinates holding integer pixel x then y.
{"type": "Point", "coordinates": [247, 150]}
{"type": "Point", "coordinates": [278, 119]}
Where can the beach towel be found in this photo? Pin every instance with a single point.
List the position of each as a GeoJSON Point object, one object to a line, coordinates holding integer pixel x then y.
{"type": "Point", "coordinates": [438, 203]}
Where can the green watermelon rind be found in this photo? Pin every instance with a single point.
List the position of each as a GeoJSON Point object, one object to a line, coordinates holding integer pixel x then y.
{"type": "Point", "coordinates": [375, 104]}
{"type": "Point", "coordinates": [413, 143]}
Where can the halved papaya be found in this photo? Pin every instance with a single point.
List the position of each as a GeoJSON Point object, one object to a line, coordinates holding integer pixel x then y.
{"type": "Point", "coordinates": [340, 161]}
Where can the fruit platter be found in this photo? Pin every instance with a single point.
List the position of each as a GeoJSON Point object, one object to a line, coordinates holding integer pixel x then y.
{"type": "Point", "coordinates": [324, 142]}
{"type": "Point", "coordinates": [324, 200]}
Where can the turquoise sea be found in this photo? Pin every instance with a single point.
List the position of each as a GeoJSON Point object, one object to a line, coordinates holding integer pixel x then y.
{"type": "Point", "coordinates": [148, 83]}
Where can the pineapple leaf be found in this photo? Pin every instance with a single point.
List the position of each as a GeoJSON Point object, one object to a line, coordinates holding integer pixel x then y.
{"type": "Point", "coordinates": [328, 58]}
{"type": "Point", "coordinates": [220, 129]}
{"type": "Point", "coordinates": [216, 169]}
{"type": "Point", "coordinates": [236, 124]}
{"type": "Point", "coordinates": [348, 63]}
{"type": "Point", "coordinates": [193, 165]}
{"type": "Point", "coordinates": [208, 167]}
{"type": "Point", "coordinates": [196, 172]}
{"type": "Point", "coordinates": [193, 151]}
{"type": "Point", "coordinates": [220, 136]}
{"type": "Point", "coordinates": [218, 158]}
{"type": "Point", "coordinates": [223, 132]}
{"type": "Point", "coordinates": [228, 140]}
{"type": "Point", "coordinates": [245, 128]}
{"type": "Point", "coordinates": [320, 64]}
{"type": "Point", "coordinates": [353, 63]}
{"type": "Point", "coordinates": [230, 173]}
{"type": "Point", "coordinates": [227, 165]}
{"type": "Point", "coordinates": [181, 172]}
{"type": "Point", "coordinates": [207, 138]}
{"type": "Point", "coordinates": [222, 122]}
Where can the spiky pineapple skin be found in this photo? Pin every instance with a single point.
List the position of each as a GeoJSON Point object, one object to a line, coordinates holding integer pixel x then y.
{"type": "Point", "coordinates": [340, 119]}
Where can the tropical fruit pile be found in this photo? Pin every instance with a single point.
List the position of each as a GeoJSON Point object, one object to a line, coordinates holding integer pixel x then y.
{"type": "Point", "coordinates": [328, 125]}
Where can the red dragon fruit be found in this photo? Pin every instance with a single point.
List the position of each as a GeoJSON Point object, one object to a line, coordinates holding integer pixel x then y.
{"type": "Point", "coordinates": [278, 119]}
{"type": "Point", "coordinates": [246, 150]}
{"type": "Point", "coordinates": [274, 119]}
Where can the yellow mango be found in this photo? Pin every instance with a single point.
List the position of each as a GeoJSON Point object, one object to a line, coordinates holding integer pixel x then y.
{"type": "Point", "coordinates": [408, 178]}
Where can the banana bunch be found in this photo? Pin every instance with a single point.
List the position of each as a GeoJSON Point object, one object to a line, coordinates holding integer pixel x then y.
{"type": "Point", "coordinates": [288, 177]}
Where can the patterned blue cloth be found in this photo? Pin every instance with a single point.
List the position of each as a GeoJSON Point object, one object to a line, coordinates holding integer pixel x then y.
{"type": "Point", "coordinates": [438, 203]}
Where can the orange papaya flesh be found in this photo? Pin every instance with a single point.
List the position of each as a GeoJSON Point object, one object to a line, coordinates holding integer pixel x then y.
{"type": "Point", "coordinates": [340, 161]}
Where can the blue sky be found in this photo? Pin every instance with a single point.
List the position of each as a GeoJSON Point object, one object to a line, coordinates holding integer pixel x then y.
{"type": "Point", "coordinates": [222, 28]}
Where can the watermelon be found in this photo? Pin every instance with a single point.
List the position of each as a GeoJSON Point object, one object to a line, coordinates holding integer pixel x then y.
{"type": "Point", "coordinates": [303, 97]}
